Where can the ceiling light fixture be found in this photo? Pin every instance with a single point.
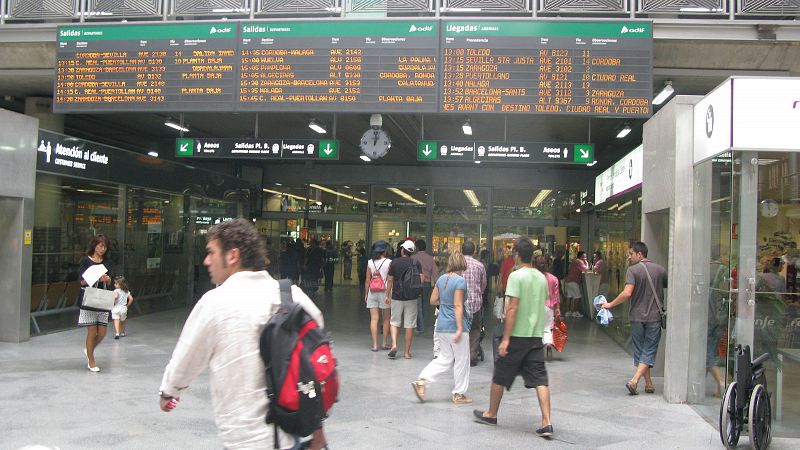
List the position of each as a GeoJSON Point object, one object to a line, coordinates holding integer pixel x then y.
{"type": "Point", "coordinates": [466, 127]}
{"type": "Point", "coordinates": [172, 124]}
{"type": "Point", "coordinates": [470, 194]}
{"type": "Point", "coordinates": [365, 158]}
{"type": "Point", "coordinates": [540, 197]}
{"type": "Point", "coordinates": [664, 94]}
{"type": "Point", "coordinates": [317, 126]}
{"type": "Point", "coordinates": [405, 196]}
{"type": "Point", "coordinates": [153, 154]}
{"type": "Point", "coordinates": [331, 191]}
{"type": "Point", "coordinates": [626, 130]}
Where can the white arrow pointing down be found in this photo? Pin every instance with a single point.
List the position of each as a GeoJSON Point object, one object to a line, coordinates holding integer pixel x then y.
{"type": "Point", "coordinates": [328, 149]}
{"type": "Point", "coordinates": [427, 151]}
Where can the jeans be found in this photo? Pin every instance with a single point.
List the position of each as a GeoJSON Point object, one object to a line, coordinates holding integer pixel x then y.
{"type": "Point", "coordinates": [645, 337]}
{"type": "Point", "coordinates": [422, 304]}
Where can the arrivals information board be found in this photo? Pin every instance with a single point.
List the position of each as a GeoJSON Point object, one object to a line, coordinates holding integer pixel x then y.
{"type": "Point", "coordinates": [584, 68]}
{"type": "Point", "coordinates": [428, 66]}
{"type": "Point", "coordinates": [180, 67]}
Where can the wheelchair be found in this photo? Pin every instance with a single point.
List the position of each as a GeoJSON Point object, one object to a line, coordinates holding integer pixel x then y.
{"type": "Point", "coordinates": [746, 403]}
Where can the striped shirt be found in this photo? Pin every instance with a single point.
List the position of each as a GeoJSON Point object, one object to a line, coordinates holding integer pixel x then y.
{"type": "Point", "coordinates": [476, 283]}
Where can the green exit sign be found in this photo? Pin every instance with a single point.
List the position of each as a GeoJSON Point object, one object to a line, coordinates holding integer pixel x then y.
{"type": "Point", "coordinates": [329, 149]}
{"type": "Point", "coordinates": [184, 147]}
{"type": "Point", "coordinates": [426, 151]}
{"type": "Point", "coordinates": [583, 153]}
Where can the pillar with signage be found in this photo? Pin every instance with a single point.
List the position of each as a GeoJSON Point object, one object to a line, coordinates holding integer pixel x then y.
{"type": "Point", "coordinates": [17, 188]}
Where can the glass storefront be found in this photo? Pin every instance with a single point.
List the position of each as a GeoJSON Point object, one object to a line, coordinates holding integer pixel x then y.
{"type": "Point", "coordinates": [156, 234]}
{"type": "Point", "coordinates": [753, 232]}
{"type": "Point", "coordinates": [617, 224]}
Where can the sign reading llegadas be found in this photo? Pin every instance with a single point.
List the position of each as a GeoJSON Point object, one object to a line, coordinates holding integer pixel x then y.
{"type": "Point", "coordinates": [513, 152]}
{"type": "Point", "coordinates": [425, 66]}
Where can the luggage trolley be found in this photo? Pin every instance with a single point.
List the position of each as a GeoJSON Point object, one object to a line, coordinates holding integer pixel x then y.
{"type": "Point", "coordinates": [746, 403]}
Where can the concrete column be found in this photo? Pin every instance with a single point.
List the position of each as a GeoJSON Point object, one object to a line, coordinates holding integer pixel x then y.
{"type": "Point", "coordinates": [18, 135]}
{"type": "Point", "coordinates": [667, 226]}
{"type": "Point", "coordinates": [42, 109]}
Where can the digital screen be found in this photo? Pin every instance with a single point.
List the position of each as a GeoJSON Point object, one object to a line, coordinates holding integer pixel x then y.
{"type": "Point", "coordinates": [463, 67]}
{"type": "Point", "coordinates": [338, 66]}
{"type": "Point", "coordinates": [584, 68]}
{"type": "Point", "coordinates": [181, 67]}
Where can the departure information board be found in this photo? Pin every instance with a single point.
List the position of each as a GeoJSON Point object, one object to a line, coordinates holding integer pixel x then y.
{"type": "Point", "coordinates": [590, 68]}
{"type": "Point", "coordinates": [339, 66]}
{"type": "Point", "coordinates": [180, 67]}
{"type": "Point", "coordinates": [585, 68]}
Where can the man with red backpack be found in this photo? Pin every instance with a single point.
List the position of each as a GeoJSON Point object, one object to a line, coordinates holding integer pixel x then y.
{"type": "Point", "coordinates": [223, 333]}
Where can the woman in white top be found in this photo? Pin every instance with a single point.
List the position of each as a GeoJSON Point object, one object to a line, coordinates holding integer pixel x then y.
{"type": "Point", "coordinates": [375, 288]}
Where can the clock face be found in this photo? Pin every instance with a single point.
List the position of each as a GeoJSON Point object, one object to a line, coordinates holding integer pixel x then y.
{"type": "Point", "coordinates": [375, 143]}
{"type": "Point", "coordinates": [769, 208]}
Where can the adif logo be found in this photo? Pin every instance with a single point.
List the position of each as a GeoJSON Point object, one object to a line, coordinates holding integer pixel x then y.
{"type": "Point", "coordinates": [421, 28]}
{"type": "Point", "coordinates": [631, 30]}
{"type": "Point", "coordinates": [220, 30]}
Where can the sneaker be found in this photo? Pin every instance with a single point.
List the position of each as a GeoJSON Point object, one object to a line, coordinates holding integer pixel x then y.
{"type": "Point", "coordinates": [484, 420]}
{"type": "Point", "coordinates": [461, 399]}
{"type": "Point", "coordinates": [545, 431]}
{"type": "Point", "coordinates": [419, 389]}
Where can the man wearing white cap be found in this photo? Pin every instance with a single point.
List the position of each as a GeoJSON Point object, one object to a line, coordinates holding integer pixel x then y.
{"type": "Point", "coordinates": [404, 287]}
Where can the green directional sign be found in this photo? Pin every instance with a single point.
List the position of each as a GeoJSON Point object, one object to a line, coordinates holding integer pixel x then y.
{"type": "Point", "coordinates": [426, 151]}
{"type": "Point", "coordinates": [583, 153]}
{"type": "Point", "coordinates": [184, 147]}
{"type": "Point", "coordinates": [328, 150]}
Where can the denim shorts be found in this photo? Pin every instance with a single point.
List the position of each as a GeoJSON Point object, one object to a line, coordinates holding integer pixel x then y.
{"type": "Point", "coordinates": [645, 337]}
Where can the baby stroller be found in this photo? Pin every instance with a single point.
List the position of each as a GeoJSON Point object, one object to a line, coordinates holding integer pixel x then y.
{"type": "Point", "coordinates": [746, 402]}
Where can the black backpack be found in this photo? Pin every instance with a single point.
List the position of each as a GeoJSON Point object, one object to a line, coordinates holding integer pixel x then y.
{"type": "Point", "coordinates": [302, 382]}
{"type": "Point", "coordinates": [410, 282]}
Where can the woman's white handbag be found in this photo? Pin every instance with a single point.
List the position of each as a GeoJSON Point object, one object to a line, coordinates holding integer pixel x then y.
{"type": "Point", "coordinates": [101, 299]}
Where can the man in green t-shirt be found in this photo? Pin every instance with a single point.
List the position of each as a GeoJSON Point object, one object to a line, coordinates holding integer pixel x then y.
{"type": "Point", "coordinates": [521, 350]}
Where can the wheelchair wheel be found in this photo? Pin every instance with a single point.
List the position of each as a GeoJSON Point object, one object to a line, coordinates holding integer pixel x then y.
{"type": "Point", "coordinates": [729, 427]}
{"type": "Point", "coordinates": [760, 418]}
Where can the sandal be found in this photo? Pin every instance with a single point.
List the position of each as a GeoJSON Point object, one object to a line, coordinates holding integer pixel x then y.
{"type": "Point", "coordinates": [385, 347]}
{"type": "Point", "coordinates": [650, 389]}
{"type": "Point", "coordinates": [632, 388]}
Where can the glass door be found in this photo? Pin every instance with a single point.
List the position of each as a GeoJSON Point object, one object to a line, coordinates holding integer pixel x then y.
{"type": "Point", "coordinates": [776, 321]}
{"type": "Point", "coordinates": [459, 215]}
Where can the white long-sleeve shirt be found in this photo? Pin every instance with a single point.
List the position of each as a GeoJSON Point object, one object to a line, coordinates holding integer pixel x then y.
{"type": "Point", "coordinates": [222, 333]}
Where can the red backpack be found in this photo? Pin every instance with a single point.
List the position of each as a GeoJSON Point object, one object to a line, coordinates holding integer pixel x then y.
{"type": "Point", "coordinates": [302, 382]}
{"type": "Point", "coordinates": [376, 282]}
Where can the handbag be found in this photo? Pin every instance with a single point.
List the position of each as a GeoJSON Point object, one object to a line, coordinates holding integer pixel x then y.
{"type": "Point", "coordinates": [499, 307]}
{"type": "Point", "coordinates": [559, 335]}
{"type": "Point", "coordinates": [101, 299]}
{"type": "Point", "coordinates": [661, 309]}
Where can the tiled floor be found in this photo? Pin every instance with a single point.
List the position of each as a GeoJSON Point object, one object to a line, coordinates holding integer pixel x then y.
{"type": "Point", "coordinates": [48, 397]}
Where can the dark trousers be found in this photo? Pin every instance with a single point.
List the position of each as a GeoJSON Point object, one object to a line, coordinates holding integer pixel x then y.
{"type": "Point", "coordinates": [327, 269]}
{"type": "Point", "coordinates": [423, 304]}
{"type": "Point", "coordinates": [475, 335]}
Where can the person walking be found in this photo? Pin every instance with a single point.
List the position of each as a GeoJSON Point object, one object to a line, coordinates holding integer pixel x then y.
{"type": "Point", "coordinates": [377, 269]}
{"type": "Point", "coordinates": [404, 300]}
{"type": "Point", "coordinates": [644, 280]}
{"type": "Point", "coordinates": [448, 294]}
{"type": "Point", "coordinates": [362, 261]}
{"type": "Point", "coordinates": [476, 283]}
{"type": "Point", "coordinates": [347, 260]}
{"type": "Point", "coordinates": [122, 301]}
{"type": "Point", "coordinates": [312, 269]}
{"type": "Point", "coordinates": [287, 261]}
{"type": "Point", "coordinates": [521, 350]}
{"type": "Point", "coordinates": [552, 309]}
{"type": "Point", "coordinates": [429, 275]}
{"type": "Point", "coordinates": [222, 334]}
{"type": "Point", "coordinates": [574, 295]}
{"type": "Point", "coordinates": [330, 259]}
{"type": "Point", "coordinates": [94, 320]}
